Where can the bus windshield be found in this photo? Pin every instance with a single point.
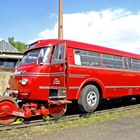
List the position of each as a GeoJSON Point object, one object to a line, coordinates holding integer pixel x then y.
{"type": "Point", "coordinates": [40, 55]}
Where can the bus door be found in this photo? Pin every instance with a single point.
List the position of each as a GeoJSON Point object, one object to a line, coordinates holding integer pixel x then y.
{"type": "Point", "coordinates": [58, 67]}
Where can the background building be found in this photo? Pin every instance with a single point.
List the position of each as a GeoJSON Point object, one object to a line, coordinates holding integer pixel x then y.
{"type": "Point", "coordinates": [9, 55]}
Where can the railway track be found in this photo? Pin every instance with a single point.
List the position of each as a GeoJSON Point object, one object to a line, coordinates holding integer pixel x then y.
{"type": "Point", "coordinates": [47, 121]}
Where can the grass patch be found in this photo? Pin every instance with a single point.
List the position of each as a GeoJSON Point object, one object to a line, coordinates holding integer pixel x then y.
{"type": "Point", "coordinates": [39, 130]}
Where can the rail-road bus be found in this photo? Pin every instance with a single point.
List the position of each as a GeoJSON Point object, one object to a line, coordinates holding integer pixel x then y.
{"type": "Point", "coordinates": [53, 73]}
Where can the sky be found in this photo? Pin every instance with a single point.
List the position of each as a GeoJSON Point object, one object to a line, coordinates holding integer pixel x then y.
{"type": "Point", "coordinates": [109, 23]}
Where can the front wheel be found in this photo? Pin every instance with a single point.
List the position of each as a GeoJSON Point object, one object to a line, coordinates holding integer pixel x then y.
{"type": "Point", "coordinates": [89, 99]}
{"type": "Point", "coordinates": [7, 105]}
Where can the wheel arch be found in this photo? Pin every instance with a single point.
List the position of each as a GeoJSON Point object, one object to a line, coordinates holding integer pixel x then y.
{"type": "Point", "coordinates": [95, 82]}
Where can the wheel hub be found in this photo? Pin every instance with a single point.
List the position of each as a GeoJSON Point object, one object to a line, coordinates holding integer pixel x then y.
{"type": "Point", "coordinates": [91, 98]}
{"type": "Point", "coordinates": [3, 110]}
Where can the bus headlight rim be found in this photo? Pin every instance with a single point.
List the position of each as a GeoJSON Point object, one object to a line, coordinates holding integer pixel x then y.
{"type": "Point", "coordinates": [24, 81]}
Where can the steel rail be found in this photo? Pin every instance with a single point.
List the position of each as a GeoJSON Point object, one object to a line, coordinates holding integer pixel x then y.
{"type": "Point", "coordinates": [66, 118]}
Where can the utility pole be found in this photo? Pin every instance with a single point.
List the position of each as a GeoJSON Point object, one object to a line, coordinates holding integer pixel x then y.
{"type": "Point", "coordinates": [60, 21]}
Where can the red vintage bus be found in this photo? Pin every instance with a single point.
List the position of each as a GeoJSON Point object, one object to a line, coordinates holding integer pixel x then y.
{"type": "Point", "coordinates": [53, 73]}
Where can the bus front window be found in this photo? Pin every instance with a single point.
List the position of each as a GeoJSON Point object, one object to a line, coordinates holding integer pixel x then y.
{"type": "Point", "coordinates": [40, 55]}
{"type": "Point", "coordinates": [44, 55]}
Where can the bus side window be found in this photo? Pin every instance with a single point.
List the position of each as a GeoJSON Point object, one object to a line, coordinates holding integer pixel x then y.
{"type": "Point", "coordinates": [127, 63]}
{"type": "Point", "coordinates": [77, 57]}
{"type": "Point", "coordinates": [87, 58]}
{"type": "Point", "coordinates": [112, 61]}
{"type": "Point", "coordinates": [136, 64]}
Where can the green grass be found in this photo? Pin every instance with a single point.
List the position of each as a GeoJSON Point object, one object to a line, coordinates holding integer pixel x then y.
{"type": "Point", "coordinates": [40, 130]}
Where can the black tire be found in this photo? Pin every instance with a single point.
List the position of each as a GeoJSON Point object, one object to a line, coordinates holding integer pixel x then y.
{"type": "Point", "coordinates": [89, 99]}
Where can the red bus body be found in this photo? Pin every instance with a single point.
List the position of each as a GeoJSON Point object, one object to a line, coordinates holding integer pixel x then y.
{"type": "Point", "coordinates": [113, 82]}
{"type": "Point", "coordinates": [114, 73]}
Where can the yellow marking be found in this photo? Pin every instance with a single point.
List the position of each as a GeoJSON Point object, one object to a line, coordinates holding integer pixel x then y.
{"type": "Point", "coordinates": [47, 118]}
{"type": "Point", "coordinates": [18, 121]}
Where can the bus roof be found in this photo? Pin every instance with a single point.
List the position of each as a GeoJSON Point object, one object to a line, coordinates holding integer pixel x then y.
{"type": "Point", "coordinates": [86, 46]}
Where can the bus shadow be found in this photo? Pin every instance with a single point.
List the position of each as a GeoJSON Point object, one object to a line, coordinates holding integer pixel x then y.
{"type": "Point", "coordinates": [74, 109]}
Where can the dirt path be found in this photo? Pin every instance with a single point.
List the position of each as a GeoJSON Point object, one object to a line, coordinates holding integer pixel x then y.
{"type": "Point", "coordinates": [126, 128]}
{"type": "Point", "coordinates": [122, 129]}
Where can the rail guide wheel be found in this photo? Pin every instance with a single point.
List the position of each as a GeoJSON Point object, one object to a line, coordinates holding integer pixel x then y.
{"type": "Point", "coordinates": [57, 111]}
{"type": "Point", "coordinates": [7, 105]}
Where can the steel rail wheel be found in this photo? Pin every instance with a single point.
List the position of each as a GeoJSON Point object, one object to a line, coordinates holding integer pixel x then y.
{"type": "Point", "coordinates": [57, 111]}
{"type": "Point", "coordinates": [7, 105]}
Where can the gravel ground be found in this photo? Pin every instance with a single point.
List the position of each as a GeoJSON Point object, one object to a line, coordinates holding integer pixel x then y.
{"type": "Point", "coordinates": [126, 128]}
{"type": "Point", "coordinates": [121, 129]}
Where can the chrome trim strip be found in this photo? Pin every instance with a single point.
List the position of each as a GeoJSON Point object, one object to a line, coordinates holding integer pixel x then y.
{"type": "Point", "coordinates": [56, 97]}
{"type": "Point", "coordinates": [12, 91]}
{"type": "Point", "coordinates": [44, 87]}
{"type": "Point", "coordinates": [78, 75]}
{"type": "Point", "coordinates": [74, 87]}
{"type": "Point", "coordinates": [38, 74]}
{"type": "Point", "coordinates": [57, 74]}
{"type": "Point", "coordinates": [122, 87]}
{"type": "Point", "coordinates": [34, 74]}
{"type": "Point", "coordinates": [15, 74]}
{"type": "Point", "coordinates": [51, 87]}
{"type": "Point", "coordinates": [103, 68]}
{"type": "Point", "coordinates": [57, 87]}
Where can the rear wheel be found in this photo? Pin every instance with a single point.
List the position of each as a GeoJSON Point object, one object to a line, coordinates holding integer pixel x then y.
{"type": "Point", "coordinates": [57, 111]}
{"type": "Point", "coordinates": [7, 105]}
{"type": "Point", "coordinates": [89, 98]}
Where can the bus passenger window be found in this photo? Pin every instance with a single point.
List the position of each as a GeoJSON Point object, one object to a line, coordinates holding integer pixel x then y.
{"type": "Point", "coordinates": [77, 58]}
{"type": "Point", "coordinates": [87, 58]}
{"type": "Point", "coordinates": [136, 64]}
{"type": "Point", "coordinates": [126, 65]}
{"type": "Point", "coordinates": [112, 61]}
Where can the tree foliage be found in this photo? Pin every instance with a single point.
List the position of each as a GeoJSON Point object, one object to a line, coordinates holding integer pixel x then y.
{"type": "Point", "coordinates": [20, 46]}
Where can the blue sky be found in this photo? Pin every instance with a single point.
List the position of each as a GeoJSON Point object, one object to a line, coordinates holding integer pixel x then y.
{"type": "Point", "coordinates": [26, 19]}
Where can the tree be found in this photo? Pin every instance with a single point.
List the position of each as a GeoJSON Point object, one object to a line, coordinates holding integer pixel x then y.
{"type": "Point", "coordinates": [20, 46]}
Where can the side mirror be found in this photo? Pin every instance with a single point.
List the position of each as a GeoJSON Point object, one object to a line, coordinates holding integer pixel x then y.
{"type": "Point", "coordinates": [17, 64]}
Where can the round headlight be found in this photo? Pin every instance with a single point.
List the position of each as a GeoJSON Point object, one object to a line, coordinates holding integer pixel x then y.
{"type": "Point", "coordinates": [24, 81]}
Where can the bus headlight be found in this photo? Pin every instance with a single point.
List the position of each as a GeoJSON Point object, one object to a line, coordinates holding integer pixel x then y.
{"type": "Point", "coordinates": [24, 81]}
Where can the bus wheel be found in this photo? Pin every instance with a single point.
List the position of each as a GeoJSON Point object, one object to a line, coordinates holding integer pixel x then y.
{"type": "Point", "coordinates": [89, 99]}
{"type": "Point", "coordinates": [57, 111]}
